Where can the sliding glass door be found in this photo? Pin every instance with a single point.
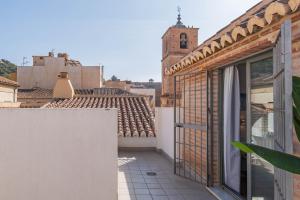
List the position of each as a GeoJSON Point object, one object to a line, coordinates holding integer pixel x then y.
{"type": "Point", "coordinates": [260, 126]}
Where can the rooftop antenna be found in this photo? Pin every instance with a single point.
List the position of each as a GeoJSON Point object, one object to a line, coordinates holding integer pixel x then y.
{"type": "Point", "coordinates": [51, 53]}
{"type": "Point", "coordinates": [24, 61]}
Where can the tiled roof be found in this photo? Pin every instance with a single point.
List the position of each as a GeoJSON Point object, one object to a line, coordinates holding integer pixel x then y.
{"type": "Point", "coordinates": [103, 91]}
{"type": "Point", "coordinates": [6, 81]}
{"type": "Point", "coordinates": [48, 93]}
{"type": "Point", "coordinates": [35, 93]}
{"type": "Point", "coordinates": [135, 118]}
{"type": "Point", "coordinates": [254, 20]}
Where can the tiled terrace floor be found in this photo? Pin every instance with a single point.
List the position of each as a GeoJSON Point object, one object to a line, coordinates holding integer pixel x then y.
{"type": "Point", "coordinates": [135, 184]}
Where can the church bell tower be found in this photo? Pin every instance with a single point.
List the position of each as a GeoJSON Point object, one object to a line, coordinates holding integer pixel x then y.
{"type": "Point", "coordinates": [177, 42]}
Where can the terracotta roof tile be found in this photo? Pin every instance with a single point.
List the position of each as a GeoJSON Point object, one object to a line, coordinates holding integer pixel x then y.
{"type": "Point", "coordinates": [9, 82]}
{"type": "Point", "coordinates": [48, 93]}
{"type": "Point", "coordinates": [35, 93]}
{"type": "Point", "coordinates": [135, 118]}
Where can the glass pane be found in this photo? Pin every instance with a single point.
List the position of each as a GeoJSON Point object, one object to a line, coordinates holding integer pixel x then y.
{"type": "Point", "coordinates": [262, 127]}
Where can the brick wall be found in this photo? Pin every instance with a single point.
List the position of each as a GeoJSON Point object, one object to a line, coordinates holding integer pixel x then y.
{"type": "Point", "coordinates": [172, 53]}
{"type": "Point", "coordinates": [215, 128]}
{"type": "Point", "coordinates": [247, 47]}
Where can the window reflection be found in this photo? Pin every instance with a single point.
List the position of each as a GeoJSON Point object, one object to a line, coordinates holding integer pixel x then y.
{"type": "Point", "coordinates": [262, 127]}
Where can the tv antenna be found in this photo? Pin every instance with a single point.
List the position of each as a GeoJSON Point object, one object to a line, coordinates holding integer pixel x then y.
{"type": "Point", "coordinates": [24, 61]}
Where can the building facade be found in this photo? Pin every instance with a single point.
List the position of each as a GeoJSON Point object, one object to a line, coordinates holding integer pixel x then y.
{"type": "Point", "coordinates": [236, 86]}
{"type": "Point", "coordinates": [177, 42]}
{"type": "Point", "coordinates": [43, 73]}
{"type": "Point", "coordinates": [8, 93]}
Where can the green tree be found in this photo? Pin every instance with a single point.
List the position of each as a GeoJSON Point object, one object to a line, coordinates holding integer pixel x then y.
{"type": "Point", "coordinates": [114, 78]}
{"type": "Point", "coordinates": [7, 67]}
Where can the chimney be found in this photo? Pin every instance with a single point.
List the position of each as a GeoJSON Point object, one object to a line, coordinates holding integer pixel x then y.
{"type": "Point", "coordinates": [63, 55]}
{"type": "Point", "coordinates": [51, 54]}
{"type": "Point", "coordinates": [63, 88]}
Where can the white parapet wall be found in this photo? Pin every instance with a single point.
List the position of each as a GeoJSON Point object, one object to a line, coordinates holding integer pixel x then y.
{"type": "Point", "coordinates": [137, 142]}
{"type": "Point", "coordinates": [61, 154]}
{"type": "Point", "coordinates": [164, 127]}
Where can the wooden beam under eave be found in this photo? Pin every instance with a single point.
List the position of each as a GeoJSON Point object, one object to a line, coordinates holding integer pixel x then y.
{"type": "Point", "coordinates": [294, 5]}
{"type": "Point", "coordinates": [256, 21]}
{"type": "Point", "coordinates": [226, 39]}
{"type": "Point", "coordinates": [238, 30]}
{"type": "Point", "coordinates": [278, 8]}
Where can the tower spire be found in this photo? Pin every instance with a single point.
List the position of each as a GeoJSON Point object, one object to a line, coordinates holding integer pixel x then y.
{"type": "Point", "coordinates": [179, 23]}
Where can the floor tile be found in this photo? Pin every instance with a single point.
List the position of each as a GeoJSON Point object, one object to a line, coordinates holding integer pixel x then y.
{"type": "Point", "coordinates": [135, 184]}
{"type": "Point", "coordinates": [143, 197]}
{"type": "Point", "coordinates": [126, 191]}
{"type": "Point", "coordinates": [138, 180]}
{"type": "Point", "coordinates": [171, 191]}
{"type": "Point", "coordinates": [153, 186]}
{"type": "Point", "coordinates": [157, 192]}
{"type": "Point", "coordinates": [160, 197]}
{"type": "Point", "coordinates": [176, 197]}
{"type": "Point", "coordinates": [140, 185]}
{"type": "Point", "coordinates": [141, 191]}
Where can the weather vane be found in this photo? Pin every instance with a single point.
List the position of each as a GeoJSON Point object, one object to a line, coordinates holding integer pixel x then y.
{"type": "Point", "coordinates": [178, 9]}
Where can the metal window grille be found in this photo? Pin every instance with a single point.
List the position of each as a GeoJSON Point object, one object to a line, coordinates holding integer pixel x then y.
{"type": "Point", "coordinates": [190, 131]}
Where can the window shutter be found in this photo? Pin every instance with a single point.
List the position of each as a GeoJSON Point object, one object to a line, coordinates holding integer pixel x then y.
{"type": "Point", "coordinates": [283, 118]}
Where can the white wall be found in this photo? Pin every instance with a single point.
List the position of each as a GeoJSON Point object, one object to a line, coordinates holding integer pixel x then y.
{"type": "Point", "coordinates": [63, 154]}
{"type": "Point", "coordinates": [8, 93]}
{"type": "Point", "coordinates": [164, 126]}
{"type": "Point", "coordinates": [135, 142]}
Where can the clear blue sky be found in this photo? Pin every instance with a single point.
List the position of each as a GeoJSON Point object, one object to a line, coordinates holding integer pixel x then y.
{"type": "Point", "coordinates": [123, 35]}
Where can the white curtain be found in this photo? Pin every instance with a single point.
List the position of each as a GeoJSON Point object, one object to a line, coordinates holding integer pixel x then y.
{"type": "Point", "coordinates": [232, 161]}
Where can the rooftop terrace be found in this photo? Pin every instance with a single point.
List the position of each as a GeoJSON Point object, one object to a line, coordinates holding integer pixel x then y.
{"type": "Point", "coordinates": [135, 182]}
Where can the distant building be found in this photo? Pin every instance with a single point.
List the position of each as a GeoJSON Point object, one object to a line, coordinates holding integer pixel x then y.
{"type": "Point", "coordinates": [8, 93]}
{"type": "Point", "coordinates": [43, 73]}
{"type": "Point", "coordinates": [124, 85]}
{"type": "Point", "coordinates": [177, 42]}
{"type": "Point", "coordinates": [150, 89]}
